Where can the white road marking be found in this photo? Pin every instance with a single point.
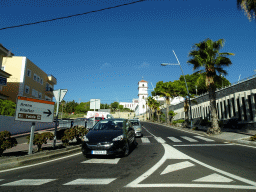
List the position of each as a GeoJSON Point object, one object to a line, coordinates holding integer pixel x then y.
{"type": "Point", "coordinates": [104, 161]}
{"type": "Point", "coordinates": [244, 145]}
{"type": "Point", "coordinates": [203, 138]}
{"type": "Point", "coordinates": [214, 178]}
{"type": "Point", "coordinates": [28, 182]}
{"type": "Point", "coordinates": [145, 140]}
{"type": "Point", "coordinates": [40, 163]}
{"type": "Point", "coordinates": [160, 140]}
{"type": "Point", "coordinates": [189, 139]}
{"type": "Point", "coordinates": [177, 166]}
{"type": "Point", "coordinates": [202, 145]}
{"type": "Point", "coordinates": [174, 139]}
{"type": "Point", "coordinates": [172, 153]}
{"type": "Point", "coordinates": [98, 181]}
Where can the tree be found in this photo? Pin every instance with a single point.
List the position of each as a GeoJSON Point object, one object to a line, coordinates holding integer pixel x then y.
{"type": "Point", "coordinates": [150, 105]}
{"type": "Point", "coordinates": [7, 107]}
{"type": "Point", "coordinates": [81, 108]}
{"type": "Point", "coordinates": [249, 7]}
{"type": "Point", "coordinates": [196, 83]}
{"type": "Point", "coordinates": [121, 107]}
{"type": "Point", "coordinates": [206, 56]}
{"type": "Point", "coordinates": [114, 105]}
{"type": "Point", "coordinates": [169, 90]}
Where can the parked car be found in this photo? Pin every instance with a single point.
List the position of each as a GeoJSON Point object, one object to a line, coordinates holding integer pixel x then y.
{"type": "Point", "coordinates": [109, 137]}
{"type": "Point", "coordinates": [137, 127]}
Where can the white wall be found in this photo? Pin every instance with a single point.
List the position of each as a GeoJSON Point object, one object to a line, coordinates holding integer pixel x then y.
{"type": "Point", "coordinates": [15, 127]}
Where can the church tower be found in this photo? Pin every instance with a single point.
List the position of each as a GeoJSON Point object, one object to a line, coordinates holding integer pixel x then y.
{"type": "Point", "coordinates": [143, 95]}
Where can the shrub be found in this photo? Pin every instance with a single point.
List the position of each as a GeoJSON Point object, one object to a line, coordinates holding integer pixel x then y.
{"type": "Point", "coordinates": [178, 121]}
{"type": "Point", "coordinates": [162, 118]}
{"type": "Point", "coordinates": [40, 139]}
{"type": "Point", "coordinates": [6, 141]}
{"type": "Point", "coordinates": [75, 132]}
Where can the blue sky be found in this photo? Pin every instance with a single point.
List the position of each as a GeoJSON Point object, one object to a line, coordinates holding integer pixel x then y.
{"type": "Point", "coordinates": [104, 55]}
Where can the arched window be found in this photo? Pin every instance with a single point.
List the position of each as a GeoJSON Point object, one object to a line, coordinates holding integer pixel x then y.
{"type": "Point", "coordinates": [142, 85]}
{"type": "Point", "coordinates": [142, 97]}
{"type": "Point", "coordinates": [143, 106]}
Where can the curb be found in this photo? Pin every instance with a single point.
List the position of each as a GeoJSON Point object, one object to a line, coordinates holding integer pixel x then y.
{"type": "Point", "coordinates": [8, 163]}
{"type": "Point", "coordinates": [250, 143]}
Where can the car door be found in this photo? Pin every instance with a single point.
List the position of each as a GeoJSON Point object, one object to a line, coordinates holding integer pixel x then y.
{"type": "Point", "coordinates": [130, 132]}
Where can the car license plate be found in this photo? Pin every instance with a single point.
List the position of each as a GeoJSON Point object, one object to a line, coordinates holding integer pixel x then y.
{"type": "Point", "coordinates": [99, 152]}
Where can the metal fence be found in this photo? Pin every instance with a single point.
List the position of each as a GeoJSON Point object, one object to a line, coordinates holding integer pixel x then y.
{"type": "Point", "coordinates": [71, 123]}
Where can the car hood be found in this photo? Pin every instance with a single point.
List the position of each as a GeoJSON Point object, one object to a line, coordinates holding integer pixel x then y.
{"type": "Point", "coordinates": [96, 136]}
{"type": "Point", "coordinates": [136, 127]}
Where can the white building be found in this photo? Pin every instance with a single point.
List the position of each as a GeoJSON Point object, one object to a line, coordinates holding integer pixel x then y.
{"type": "Point", "coordinates": [143, 95]}
{"type": "Point", "coordinates": [130, 105]}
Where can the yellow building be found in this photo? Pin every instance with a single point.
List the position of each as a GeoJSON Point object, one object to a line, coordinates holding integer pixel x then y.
{"type": "Point", "coordinates": [27, 79]}
{"type": "Point", "coordinates": [3, 75]}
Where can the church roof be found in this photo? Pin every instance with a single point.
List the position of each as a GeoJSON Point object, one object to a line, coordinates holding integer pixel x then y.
{"type": "Point", "coordinates": [143, 81]}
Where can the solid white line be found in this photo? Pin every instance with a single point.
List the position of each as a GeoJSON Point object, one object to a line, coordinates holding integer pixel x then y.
{"type": "Point", "coordinates": [177, 166]}
{"type": "Point", "coordinates": [203, 138]}
{"type": "Point", "coordinates": [24, 182]}
{"type": "Point", "coordinates": [98, 181]}
{"type": "Point", "coordinates": [244, 145]}
{"type": "Point", "coordinates": [145, 140]}
{"type": "Point", "coordinates": [149, 132]}
{"type": "Point", "coordinates": [195, 186]}
{"type": "Point", "coordinates": [39, 163]}
{"type": "Point", "coordinates": [174, 139]}
{"type": "Point", "coordinates": [201, 145]}
{"type": "Point", "coordinates": [189, 139]}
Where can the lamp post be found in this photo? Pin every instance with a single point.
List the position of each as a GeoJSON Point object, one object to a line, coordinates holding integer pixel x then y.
{"type": "Point", "coordinates": [165, 64]}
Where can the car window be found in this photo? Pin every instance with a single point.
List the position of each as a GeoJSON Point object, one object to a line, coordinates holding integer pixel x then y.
{"type": "Point", "coordinates": [135, 123]}
{"type": "Point", "coordinates": [108, 125]}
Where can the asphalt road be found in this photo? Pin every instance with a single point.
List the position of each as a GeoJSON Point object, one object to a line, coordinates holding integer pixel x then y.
{"type": "Point", "coordinates": [164, 160]}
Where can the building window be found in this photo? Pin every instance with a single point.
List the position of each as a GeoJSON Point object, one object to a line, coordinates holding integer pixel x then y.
{"type": "Point", "coordinates": [40, 95]}
{"type": "Point", "coordinates": [3, 68]}
{"type": "Point", "coordinates": [41, 81]}
{"type": "Point", "coordinates": [29, 73]}
{"type": "Point", "coordinates": [142, 85]}
{"type": "Point", "coordinates": [35, 76]}
{"type": "Point", "coordinates": [38, 79]}
{"type": "Point", "coordinates": [27, 89]}
{"type": "Point", "coordinates": [34, 93]}
{"type": "Point", "coordinates": [47, 98]}
{"type": "Point", "coordinates": [142, 97]}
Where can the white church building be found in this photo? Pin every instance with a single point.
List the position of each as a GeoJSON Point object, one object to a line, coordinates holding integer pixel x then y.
{"type": "Point", "coordinates": [139, 105]}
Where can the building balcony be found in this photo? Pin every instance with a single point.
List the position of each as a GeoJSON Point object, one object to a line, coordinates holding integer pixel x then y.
{"type": "Point", "coordinates": [49, 91]}
{"type": "Point", "coordinates": [52, 79]}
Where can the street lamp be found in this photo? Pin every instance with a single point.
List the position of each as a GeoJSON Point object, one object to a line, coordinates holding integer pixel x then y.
{"type": "Point", "coordinates": [165, 64]}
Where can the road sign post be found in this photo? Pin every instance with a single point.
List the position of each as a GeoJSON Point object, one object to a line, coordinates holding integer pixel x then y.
{"type": "Point", "coordinates": [59, 95]}
{"type": "Point", "coordinates": [94, 104]}
{"type": "Point", "coordinates": [30, 149]}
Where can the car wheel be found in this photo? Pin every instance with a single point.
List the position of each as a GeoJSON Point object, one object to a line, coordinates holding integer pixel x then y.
{"type": "Point", "coordinates": [126, 149]}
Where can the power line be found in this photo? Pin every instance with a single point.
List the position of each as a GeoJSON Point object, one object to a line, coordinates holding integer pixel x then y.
{"type": "Point", "coordinates": [73, 15]}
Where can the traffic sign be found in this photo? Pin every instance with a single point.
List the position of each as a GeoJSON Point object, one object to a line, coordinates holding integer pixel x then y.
{"type": "Point", "coordinates": [95, 104]}
{"type": "Point", "coordinates": [36, 110]}
{"type": "Point", "coordinates": [59, 94]}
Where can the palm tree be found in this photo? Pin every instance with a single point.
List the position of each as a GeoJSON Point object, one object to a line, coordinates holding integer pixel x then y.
{"type": "Point", "coordinates": [249, 7]}
{"type": "Point", "coordinates": [150, 105]}
{"type": "Point", "coordinates": [206, 56]}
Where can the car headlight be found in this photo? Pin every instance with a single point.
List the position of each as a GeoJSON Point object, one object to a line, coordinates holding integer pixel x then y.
{"type": "Point", "coordinates": [119, 138]}
{"type": "Point", "coordinates": [85, 139]}
{"type": "Point", "coordinates": [139, 129]}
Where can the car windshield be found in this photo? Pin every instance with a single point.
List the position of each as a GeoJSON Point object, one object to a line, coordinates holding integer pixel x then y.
{"type": "Point", "coordinates": [134, 123]}
{"type": "Point", "coordinates": [109, 125]}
